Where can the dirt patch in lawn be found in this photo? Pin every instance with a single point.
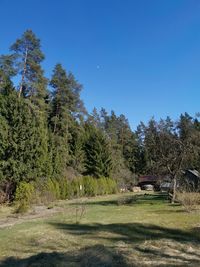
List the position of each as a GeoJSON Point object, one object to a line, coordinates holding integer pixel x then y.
{"type": "Point", "coordinates": [35, 213]}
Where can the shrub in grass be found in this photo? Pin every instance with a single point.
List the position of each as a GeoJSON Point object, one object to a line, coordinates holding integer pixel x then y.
{"type": "Point", "coordinates": [89, 186]}
{"type": "Point", "coordinates": [63, 186]}
{"type": "Point", "coordinates": [56, 189]}
{"type": "Point", "coordinates": [106, 186]}
{"type": "Point", "coordinates": [67, 189]}
{"type": "Point", "coordinates": [102, 186]}
{"type": "Point", "coordinates": [76, 188]}
{"type": "Point", "coordinates": [23, 197]}
{"type": "Point", "coordinates": [112, 186]}
{"type": "Point", "coordinates": [126, 200]}
{"type": "Point", "coordinates": [52, 187]}
{"type": "Point", "coordinates": [190, 200]}
{"type": "Point", "coordinates": [73, 189]}
{"type": "Point", "coordinates": [49, 191]}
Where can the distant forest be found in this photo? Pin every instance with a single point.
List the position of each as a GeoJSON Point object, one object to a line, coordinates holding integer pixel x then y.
{"type": "Point", "coordinates": [46, 133]}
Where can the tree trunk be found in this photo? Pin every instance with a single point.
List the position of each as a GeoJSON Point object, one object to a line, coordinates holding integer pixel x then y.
{"type": "Point", "coordinates": [24, 72]}
{"type": "Point", "coordinates": [174, 189]}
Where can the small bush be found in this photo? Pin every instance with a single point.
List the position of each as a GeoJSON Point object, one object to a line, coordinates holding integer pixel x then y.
{"type": "Point", "coordinates": [90, 186]}
{"type": "Point", "coordinates": [74, 189]}
{"type": "Point", "coordinates": [68, 189]}
{"type": "Point", "coordinates": [49, 190]}
{"type": "Point", "coordinates": [106, 186]}
{"type": "Point", "coordinates": [23, 197]}
{"type": "Point", "coordinates": [64, 189]}
{"type": "Point", "coordinates": [190, 200]}
{"type": "Point", "coordinates": [126, 200]}
{"type": "Point", "coordinates": [102, 186]}
{"type": "Point", "coordinates": [112, 186]}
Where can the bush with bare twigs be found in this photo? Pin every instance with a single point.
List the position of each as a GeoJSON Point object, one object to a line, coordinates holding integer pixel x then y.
{"type": "Point", "coordinates": [190, 200]}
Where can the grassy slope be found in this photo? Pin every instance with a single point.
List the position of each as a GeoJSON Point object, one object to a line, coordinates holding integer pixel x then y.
{"type": "Point", "coordinates": [146, 231]}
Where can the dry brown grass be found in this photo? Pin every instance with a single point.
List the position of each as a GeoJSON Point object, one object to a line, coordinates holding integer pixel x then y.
{"type": "Point", "coordinates": [190, 200]}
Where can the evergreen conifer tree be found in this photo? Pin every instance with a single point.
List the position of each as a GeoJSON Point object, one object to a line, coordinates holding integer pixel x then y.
{"type": "Point", "coordinates": [98, 154]}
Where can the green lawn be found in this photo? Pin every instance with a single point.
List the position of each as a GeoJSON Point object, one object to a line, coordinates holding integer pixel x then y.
{"type": "Point", "coordinates": [118, 230]}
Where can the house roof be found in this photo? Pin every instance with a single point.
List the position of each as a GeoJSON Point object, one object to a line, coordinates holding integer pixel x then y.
{"type": "Point", "coordinates": [194, 172]}
{"type": "Point", "coordinates": [148, 178]}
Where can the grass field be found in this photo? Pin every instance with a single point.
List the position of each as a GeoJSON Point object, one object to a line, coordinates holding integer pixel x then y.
{"type": "Point", "coordinates": [118, 230]}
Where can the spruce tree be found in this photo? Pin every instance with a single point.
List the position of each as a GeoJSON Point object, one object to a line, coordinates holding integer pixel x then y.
{"type": "Point", "coordinates": [60, 119]}
{"type": "Point", "coordinates": [26, 156]}
{"type": "Point", "coordinates": [67, 111]}
{"type": "Point", "coordinates": [98, 155]}
{"type": "Point", "coordinates": [76, 147]}
{"type": "Point", "coordinates": [62, 102]}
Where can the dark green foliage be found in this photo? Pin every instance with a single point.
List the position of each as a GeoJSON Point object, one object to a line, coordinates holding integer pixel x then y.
{"type": "Point", "coordinates": [7, 65]}
{"type": "Point", "coordinates": [98, 154]}
{"type": "Point", "coordinates": [61, 102]}
{"type": "Point", "coordinates": [122, 140]}
{"type": "Point", "coordinates": [65, 188]}
{"type": "Point", "coordinates": [6, 85]}
{"type": "Point", "coordinates": [4, 132]}
{"type": "Point", "coordinates": [76, 148]}
{"type": "Point", "coordinates": [24, 142]}
{"type": "Point", "coordinates": [66, 103]}
{"type": "Point", "coordinates": [59, 155]}
{"type": "Point", "coordinates": [65, 137]}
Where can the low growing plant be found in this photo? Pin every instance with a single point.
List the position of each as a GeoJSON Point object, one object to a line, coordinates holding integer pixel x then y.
{"type": "Point", "coordinates": [23, 197]}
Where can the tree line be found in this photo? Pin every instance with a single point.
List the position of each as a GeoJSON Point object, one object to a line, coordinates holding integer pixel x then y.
{"type": "Point", "coordinates": [46, 132]}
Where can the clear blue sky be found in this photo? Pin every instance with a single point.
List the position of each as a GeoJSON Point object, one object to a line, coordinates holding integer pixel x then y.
{"type": "Point", "coordinates": [140, 58]}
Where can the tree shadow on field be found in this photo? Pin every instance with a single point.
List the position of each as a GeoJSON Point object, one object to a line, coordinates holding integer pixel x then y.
{"type": "Point", "coordinates": [163, 244]}
{"type": "Point", "coordinates": [94, 256]}
{"type": "Point", "coordinates": [129, 232]}
{"type": "Point", "coordinates": [133, 244]}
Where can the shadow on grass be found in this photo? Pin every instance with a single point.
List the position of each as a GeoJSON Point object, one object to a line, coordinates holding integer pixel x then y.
{"type": "Point", "coordinates": [182, 256]}
{"type": "Point", "coordinates": [94, 256]}
{"type": "Point", "coordinates": [146, 198]}
{"type": "Point", "coordinates": [130, 251]}
{"type": "Point", "coordinates": [129, 232]}
{"type": "Point", "coordinates": [170, 211]}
